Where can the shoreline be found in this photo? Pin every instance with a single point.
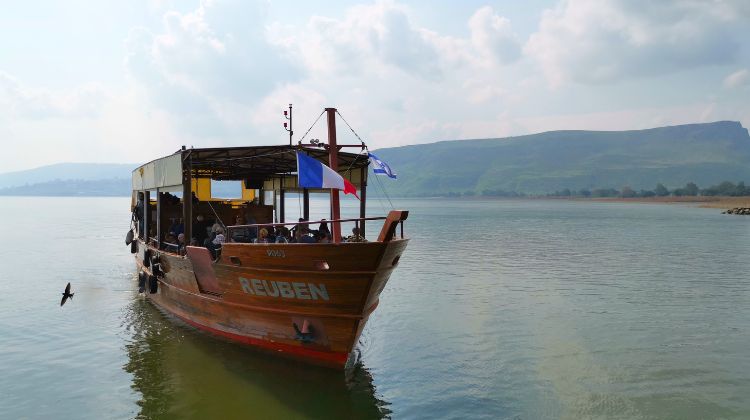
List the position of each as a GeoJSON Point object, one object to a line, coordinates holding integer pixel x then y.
{"type": "Point", "coordinates": [718, 202]}
{"type": "Point", "coordinates": [715, 202]}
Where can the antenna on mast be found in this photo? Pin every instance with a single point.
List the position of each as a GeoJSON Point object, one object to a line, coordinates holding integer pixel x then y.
{"type": "Point", "coordinates": [288, 116]}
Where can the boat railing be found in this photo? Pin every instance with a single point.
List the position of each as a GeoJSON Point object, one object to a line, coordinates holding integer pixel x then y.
{"type": "Point", "coordinates": [358, 221]}
{"type": "Point", "coordinates": [166, 246]}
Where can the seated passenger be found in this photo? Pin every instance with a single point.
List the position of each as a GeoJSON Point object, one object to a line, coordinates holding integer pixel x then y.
{"type": "Point", "coordinates": [170, 242]}
{"type": "Point", "coordinates": [177, 226]}
{"type": "Point", "coordinates": [323, 229]}
{"type": "Point", "coordinates": [305, 237]}
{"type": "Point", "coordinates": [219, 238]}
{"type": "Point", "coordinates": [241, 234]}
{"type": "Point", "coordinates": [282, 235]}
{"type": "Point", "coordinates": [271, 234]}
{"type": "Point", "coordinates": [356, 237]}
{"type": "Point", "coordinates": [181, 244]}
{"type": "Point", "coordinates": [262, 236]}
{"type": "Point", "coordinates": [322, 238]}
{"type": "Point", "coordinates": [215, 245]}
{"type": "Point", "coordinates": [296, 228]}
{"type": "Point", "coordinates": [211, 235]}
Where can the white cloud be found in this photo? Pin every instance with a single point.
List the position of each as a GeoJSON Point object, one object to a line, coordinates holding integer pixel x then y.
{"type": "Point", "coordinates": [493, 37]}
{"type": "Point", "coordinates": [376, 61]}
{"type": "Point", "coordinates": [209, 66]}
{"type": "Point", "coordinates": [370, 38]}
{"type": "Point", "coordinates": [379, 37]}
{"type": "Point", "coordinates": [598, 41]}
{"type": "Point", "coordinates": [36, 103]}
{"type": "Point", "coordinates": [737, 79]}
{"type": "Point", "coordinates": [221, 73]}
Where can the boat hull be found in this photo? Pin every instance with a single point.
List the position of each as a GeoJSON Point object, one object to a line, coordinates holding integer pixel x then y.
{"type": "Point", "coordinates": [304, 301]}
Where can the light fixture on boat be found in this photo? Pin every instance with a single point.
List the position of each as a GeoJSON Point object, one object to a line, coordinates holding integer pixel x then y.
{"type": "Point", "coordinates": [288, 116]}
{"type": "Point", "coordinates": [322, 265]}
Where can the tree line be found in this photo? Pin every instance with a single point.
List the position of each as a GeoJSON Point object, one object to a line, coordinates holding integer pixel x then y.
{"type": "Point", "coordinates": [690, 189]}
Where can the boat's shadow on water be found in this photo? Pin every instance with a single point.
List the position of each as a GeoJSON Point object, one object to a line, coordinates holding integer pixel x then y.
{"type": "Point", "coordinates": [183, 373]}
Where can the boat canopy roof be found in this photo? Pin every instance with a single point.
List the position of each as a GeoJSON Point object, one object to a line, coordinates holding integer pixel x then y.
{"type": "Point", "coordinates": [266, 167]}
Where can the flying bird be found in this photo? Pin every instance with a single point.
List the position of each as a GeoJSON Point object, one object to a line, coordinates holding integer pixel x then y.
{"type": "Point", "coordinates": [66, 294]}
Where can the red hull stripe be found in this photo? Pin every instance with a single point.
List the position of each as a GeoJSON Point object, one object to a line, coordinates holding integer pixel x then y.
{"type": "Point", "coordinates": [322, 357]}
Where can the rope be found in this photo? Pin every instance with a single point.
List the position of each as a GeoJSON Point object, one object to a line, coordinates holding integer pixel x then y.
{"type": "Point", "coordinates": [217, 217]}
{"type": "Point", "coordinates": [350, 127]}
{"type": "Point", "coordinates": [313, 125]}
{"type": "Point", "coordinates": [383, 189]}
{"type": "Point", "coordinates": [354, 160]}
{"type": "Point", "coordinates": [380, 200]}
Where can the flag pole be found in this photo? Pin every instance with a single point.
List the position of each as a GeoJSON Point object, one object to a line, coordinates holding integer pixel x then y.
{"type": "Point", "coordinates": [333, 163]}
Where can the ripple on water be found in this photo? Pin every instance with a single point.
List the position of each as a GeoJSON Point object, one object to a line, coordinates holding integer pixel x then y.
{"type": "Point", "coordinates": [498, 309]}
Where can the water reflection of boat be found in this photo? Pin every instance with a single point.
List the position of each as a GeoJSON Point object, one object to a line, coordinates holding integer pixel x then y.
{"type": "Point", "coordinates": [183, 374]}
{"type": "Point", "coordinates": [304, 300]}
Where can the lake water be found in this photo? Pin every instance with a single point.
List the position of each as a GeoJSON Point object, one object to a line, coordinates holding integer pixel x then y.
{"type": "Point", "coordinates": [499, 309]}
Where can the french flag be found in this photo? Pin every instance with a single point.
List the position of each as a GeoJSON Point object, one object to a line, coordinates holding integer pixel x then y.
{"type": "Point", "coordinates": [313, 174]}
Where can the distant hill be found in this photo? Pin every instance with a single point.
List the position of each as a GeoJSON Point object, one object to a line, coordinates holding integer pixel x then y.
{"type": "Point", "coordinates": [706, 154]}
{"type": "Point", "coordinates": [64, 171]}
{"type": "Point", "coordinates": [70, 179]}
{"type": "Point", "coordinates": [114, 187]}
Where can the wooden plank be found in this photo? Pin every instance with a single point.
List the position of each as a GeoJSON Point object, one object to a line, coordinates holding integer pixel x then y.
{"type": "Point", "coordinates": [204, 273]}
{"type": "Point", "coordinates": [391, 222]}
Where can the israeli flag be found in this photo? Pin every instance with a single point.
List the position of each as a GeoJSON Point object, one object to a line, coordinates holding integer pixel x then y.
{"type": "Point", "coordinates": [380, 167]}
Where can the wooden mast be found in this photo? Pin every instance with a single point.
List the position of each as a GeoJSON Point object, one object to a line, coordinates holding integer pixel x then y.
{"type": "Point", "coordinates": [333, 162]}
{"type": "Point", "coordinates": [362, 199]}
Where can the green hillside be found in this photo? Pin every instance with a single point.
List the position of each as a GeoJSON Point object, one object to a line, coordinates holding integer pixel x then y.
{"type": "Point", "coordinates": [543, 163]}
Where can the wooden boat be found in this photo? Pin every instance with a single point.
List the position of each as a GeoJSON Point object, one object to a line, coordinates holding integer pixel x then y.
{"type": "Point", "coordinates": [304, 300]}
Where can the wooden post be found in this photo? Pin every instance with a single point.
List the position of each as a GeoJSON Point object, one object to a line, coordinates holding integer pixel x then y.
{"type": "Point", "coordinates": [146, 214]}
{"type": "Point", "coordinates": [333, 163]}
{"type": "Point", "coordinates": [158, 218]}
{"type": "Point", "coordinates": [187, 197]}
{"type": "Point", "coordinates": [363, 200]}
{"type": "Point", "coordinates": [306, 204]}
{"type": "Point", "coordinates": [281, 206]}
{"type": "Point", "coordinates": [141, 223]}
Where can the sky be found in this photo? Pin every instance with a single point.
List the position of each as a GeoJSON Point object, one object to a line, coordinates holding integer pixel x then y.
{"type": "Point", "coordinates": [129, 81]}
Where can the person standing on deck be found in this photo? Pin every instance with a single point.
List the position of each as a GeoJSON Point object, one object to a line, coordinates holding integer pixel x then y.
{"type": "Point", "coordinates": [201, 229]}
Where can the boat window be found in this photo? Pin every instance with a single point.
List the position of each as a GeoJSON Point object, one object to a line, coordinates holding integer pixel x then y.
{"type": "Point", "coordinates": [226, 189]}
